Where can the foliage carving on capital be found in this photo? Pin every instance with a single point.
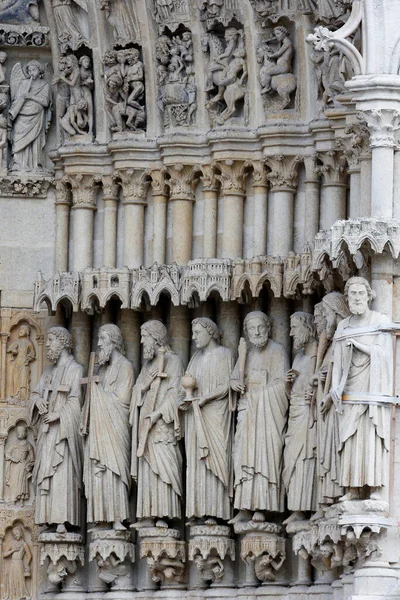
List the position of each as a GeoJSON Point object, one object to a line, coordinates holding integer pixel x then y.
{"type": "Point", "coordinates": [84, 189]}
{"type": "Point", "coordinates": [382, 125]}
{"type": "Point", "coordinates": [353, 143]}
{"type": "Point", "coordinates": [110, 186]}
{"type": "Point", "coordinates": [260, 175]}
{"type": "Point", "coordinates": [231, 175]}
{"type": "Point", "coordinates": [158, 183]}
{"type": "Point", "coordinates": [332, 165]}
{"type": "Point", "coordinates": [182, 180]}
{"type": "Point", "coordinates": [208, 177]}
{"type": "Point", "coordinates": [283, 171]}
{"type": "Point", "coordinates": [63, 193]}
{"type": "Point", "coordinates": [134, 183]}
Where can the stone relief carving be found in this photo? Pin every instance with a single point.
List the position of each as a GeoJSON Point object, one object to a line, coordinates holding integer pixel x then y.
{"type": "Point", "coordinates": [327, 12]}
{"type": "Point", "coordinates": [218, 11]}
{"type": "Point", "coordinates": [165, 554]}
{"type": "Point", "coordinates": [17, 555]}
{"type": "Point", "coordinates": [30, 114]}
{"type": "Point", "coordinates": [123, 18]}
{"type": "Point", "coordinates": [210, 546]}
{"type": "Point", "coordinates": [20, 458]}
{"type": "Point", "coordinates": [77, 75]}
{"type": "Point", "coordinates": [258, 380]}
{"type": "Point", "coordinates": [124, 90]}
{"type": "Point", "coordinates": [70, 23]}
{"type": "Point", "coordinates": [361, 391]}
{"type": "Point", "coordinates": [226, 75]}
{"type": "Point", "coordinates": [55, 408]}
{"type": "Point", "coordinates": [176, 79]}
{"type": "Point", "coordinates": [105, 424]}
{"type": "Point", "coordinates": [278, 83]}
{"type": "Point", "coordinates": [23, 353]}
{"type": "Point", "coordinates": [170, 13]}
{"type": "Point", "coordinates": [333, 69]}
{"type": "Point", "coordinates": [63, 553]}
{"type": "Point", "coordinates": [300, 439]}
{"type": "Point", "coordinates": [114, 553]}
{"type": "Point", "coordinates": [15, 186]}
{"type": "Point", "coordinates": [208, 424]}
{"type": "Point", "coordinates": [156, 428]}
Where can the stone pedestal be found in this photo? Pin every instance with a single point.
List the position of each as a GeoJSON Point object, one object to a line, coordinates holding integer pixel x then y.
{"type": "Point", "coordinates": [64, 554]}
{"type": "Point", "coordinates": [263, 545]}
{"type": "Point", "coordinates": [165, 554]}
{"type": "Point", "coordinates": [114, 554]}
{"type": "Point", "coordinates": [212, 550]}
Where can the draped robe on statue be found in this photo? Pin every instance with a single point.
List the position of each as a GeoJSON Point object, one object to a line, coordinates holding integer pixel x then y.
{"type": "Point", "coordinates": [364, 429]}
{"type": "Point", "coordinates": [107, 450]}
{"type": "Point", "coordinates": [57, 473]}
{"type": "Point", "coordinates": [159, 470]}
{"type": "Point", "coordinates": [208, 439]}
{"type": "Point", "coordinates": [23, 353]}
{"type": "Point", "coordinates": [300, 439]}
{"type": "Point", "coordinates": [261, 421]}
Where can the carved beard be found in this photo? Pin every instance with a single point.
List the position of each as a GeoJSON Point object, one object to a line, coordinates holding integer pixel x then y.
{"type": "Point", "coordinates": [260, 341]}
{"type": "Point", "coordinates": [357, 309]}
{"type": "Point", "coordinates": [53, 355]}
{"type": "Point", "coordinates": [300, 340]}
{"type": "Point", "coordinates": [104, 354]}
{"type": "Point", "coordinates": [148, 350]}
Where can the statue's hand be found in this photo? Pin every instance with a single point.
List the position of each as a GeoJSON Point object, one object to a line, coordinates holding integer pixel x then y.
{"type": "Point", "coordinates": [154, 417]}
{"type": "Point", "coordinates": [322, 374]}
{"type": "Point", "coordinates": [51, 417]}
{"type": "Point", "coordinates": [291, 375]}
{"type": "Point", "coordinates": [41, 405]}
{"type": "Point", "coordinates": [237, 386]}
{"type": "Point", "coordinates": [326, 404]}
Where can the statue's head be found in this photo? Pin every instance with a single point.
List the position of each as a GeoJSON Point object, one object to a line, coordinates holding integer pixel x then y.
{"type": "Point", "coordinates": [17, 532]}
{"type": "Point", "coordinates": [319, 318]}
{"type": "Point", "coordinates": [153, 334]}
{"type": "Point", "coordinates": [280, 32]}
{"type": "Point", "coordinates": [257, 327]}
{"type": "Point", "coordinates": [84, 61]}
{"type": "Point", "coordinates": [231, 33]}
{"type": "Point", "coordinates": [3, 57]}
{"type": "Point", "coordinates": [335, 309]}
{"type": "Point", "coordinates": [34, 69]}
{"type": "Point", "coordinates": [114, 82]}
{"type": "Point", "coordinates": [132, 56]}
{"type": "Point", "coordinates": [359, 295]}
{"type": "Point", "coordinates": [302, 329]}
{"type": "Point", "coordinates": [110, 58]}
{"type": "Point", "coordinates": [22, 431]}
{"type": "Point", "coordinates": [58, 339]}
{"type": "Point", "coordinates": [203, 331]}
{"type": "Point", "coordinates": [110, 338]}
{"type": "Point", "coordinates": [24, 331]}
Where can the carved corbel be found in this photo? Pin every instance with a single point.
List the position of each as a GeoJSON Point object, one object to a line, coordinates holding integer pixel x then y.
{"type": "Point", "coordinates": [165, 554]}
{"type": "Point", "coordinates": [113, 552]}
{"type": "Point", "coordinates": [283, 174]}
{"type": "Point", "coordinates": [210, 546]}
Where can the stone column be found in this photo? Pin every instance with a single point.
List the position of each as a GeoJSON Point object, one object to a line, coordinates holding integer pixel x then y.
{"type": "Point", "coordinates": [382, 125]}
{"type": "Point", "coordinates": [229, 323]}
{"type": "Point", "coordinates": [129, 323]}
{"type": "Point", "coordinates": [180, 331]}
{"type": "Point", "coordinates": [160, 196]}
{"type": "Point", "coordinates": [63, 206]}
{"type": "Point", "coordinates": [232, 192]}
{"type": "Point", "coordinates": [84, 188]}
{"type": "Point", "coordinates": [210, 196]}
{"type": "Point", "coordinates": [81, 327]}
{"type": "Point", "coordinates": [312, 193]}
{"type": "Point", "coordinates": [134, 188]}
{"type": "Point", "coordinates": [280, 318]}
{"type": "Point", "coordinates": [2, 464]}
{"type": "Point", "coordinates": [181, 187]}
{"type": "Point", "coordinates": [110, 190]}
{"type": "Point", "coordinates": [333, 168]}
{"type": "Point", "coordinates": [283, 177]}
{"type": "Point", "coordinates": [260, 187]}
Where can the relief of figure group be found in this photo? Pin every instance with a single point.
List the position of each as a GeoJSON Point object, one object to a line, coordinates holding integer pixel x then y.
{"type": "Point", "coordinates": [304, 437]}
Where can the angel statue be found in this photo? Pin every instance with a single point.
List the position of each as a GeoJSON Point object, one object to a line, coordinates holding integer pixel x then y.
{"type": "Point", "coordinates": [30, 114]}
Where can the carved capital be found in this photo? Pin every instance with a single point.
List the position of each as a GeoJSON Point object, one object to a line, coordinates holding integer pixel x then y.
{"type": "Point", "coordinates": [110, 187]}
{"type": "Point", "coordinates": [382, 125]}
{"type": "Point", "coordinates": [283, 172]}
{"type": "Point", "coordinates": [260, 175]}
{"type": "Point", "coordinates": [181, 182]}
{"type": "Point", "coordinates": [354, 143]}
{"type": "Point", "coordinates": [84, 190]}
{"type": "Point", "coordinates": [209, 179]}
{"type": "Point", "coordinates": [63, 193]}
{"type": "Point", "coordinates": [134, 185]}
{"type": "Point", "coordinates": [333, 166]}
{"type": "Point", "coordinates": [158, 183]}
{"type": "Point", "coordinates": [232, 177]}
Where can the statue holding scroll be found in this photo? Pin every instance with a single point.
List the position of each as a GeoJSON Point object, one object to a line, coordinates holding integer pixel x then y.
{"type": "Point", "coordinates": [55, 410]}
{"type": "Point", "coordinates": [258, 377]}
{"type": "Point", "coordinates": [107, 449]}
{"type": "Point", "coordinates": [208, 424]}
{"type": "Point", "coordinates": [361, 390]}
{"type": "Point", "coordinates": [156, 455]}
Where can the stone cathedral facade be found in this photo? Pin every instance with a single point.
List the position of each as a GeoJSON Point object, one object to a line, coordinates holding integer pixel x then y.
{"type": "Point", "coordinates": [199, 299]}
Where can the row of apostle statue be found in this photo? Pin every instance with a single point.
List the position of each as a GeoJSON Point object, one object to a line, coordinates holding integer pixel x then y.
{"type": "Point", "coordinates": [255, 432]}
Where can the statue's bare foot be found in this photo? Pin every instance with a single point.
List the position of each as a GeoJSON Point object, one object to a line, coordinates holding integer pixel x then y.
{"type": "Point", "coordinates": [161, 523]}
{"type": "Point", "coordinates": [61, 528]}
{"type": "Point", "coordinates": [258, 517]}
{"type": "Point", "coordinates": [242, 516]}
{"type": "Point", "coordinates": [210, 521]}
{"type": "Point", "coordinates": [376, 494]}
{"type": "Point", "coordinates": [143, 523]}
{"type": "Point", "coordinates": [117, 526]}
{"type": "Point", "coordinates": [298, 515]}
{"type": "Point", "coordinates": [352, 494]}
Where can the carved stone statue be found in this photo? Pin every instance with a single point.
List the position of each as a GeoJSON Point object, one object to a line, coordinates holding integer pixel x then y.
{"type": "Point", "coordinates": [107, 449]}
{"type": "Point", "coordinates": [361, 391]}
{"type": "Point", "coordinates": [208, 424]}
{"type": "Point", "coordinates": [226, 71]}
{"type": "Point", "coordinates": [3, 59]}
{"type": "Point", "coordinates": [276, 74]}
{"type": "Point", "coordinates": [123, 18]}
{"type": "Point", "coordinates": [30, 114]}
{"type": "Point", "coordinates": [210, 9]}
{"type": "Point", "coordinates": [259, 378]}
{"type": "Point", "coordinates": [334, 309]}
{"type": "Point", "coordinates": [19, 464]}
{"type": "Point", "coordinates": [55, 409]}
{"type": "Point", "coordinates": [300, 439]}
{"type": "Point", "coordinates": [332, 70]}
{"type": "Point", "coordinates": [156, 455]}
{"type": "Point", "coordinates": [17, 559]}
{"type": "Point", "coordinates": [69, 30]}
{"type": "Point", "coordinates": [19, 11]}
{"type": "Point", "coordinates": [23, 354]}
{"type": "Point", "coordinates": [163, 10]}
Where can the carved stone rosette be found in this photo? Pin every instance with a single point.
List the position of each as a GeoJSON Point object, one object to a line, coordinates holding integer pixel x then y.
{"type": "Point", "coordinates": [113, 552]}
{"type": "Point", "coordinates": [165, 554]}
{"type": "Point", "coordinates": [210, 546]}
{"type": "Point", "coordinates": [64, 554]}
{"type": "Point", "coordinates": [262, 544]}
